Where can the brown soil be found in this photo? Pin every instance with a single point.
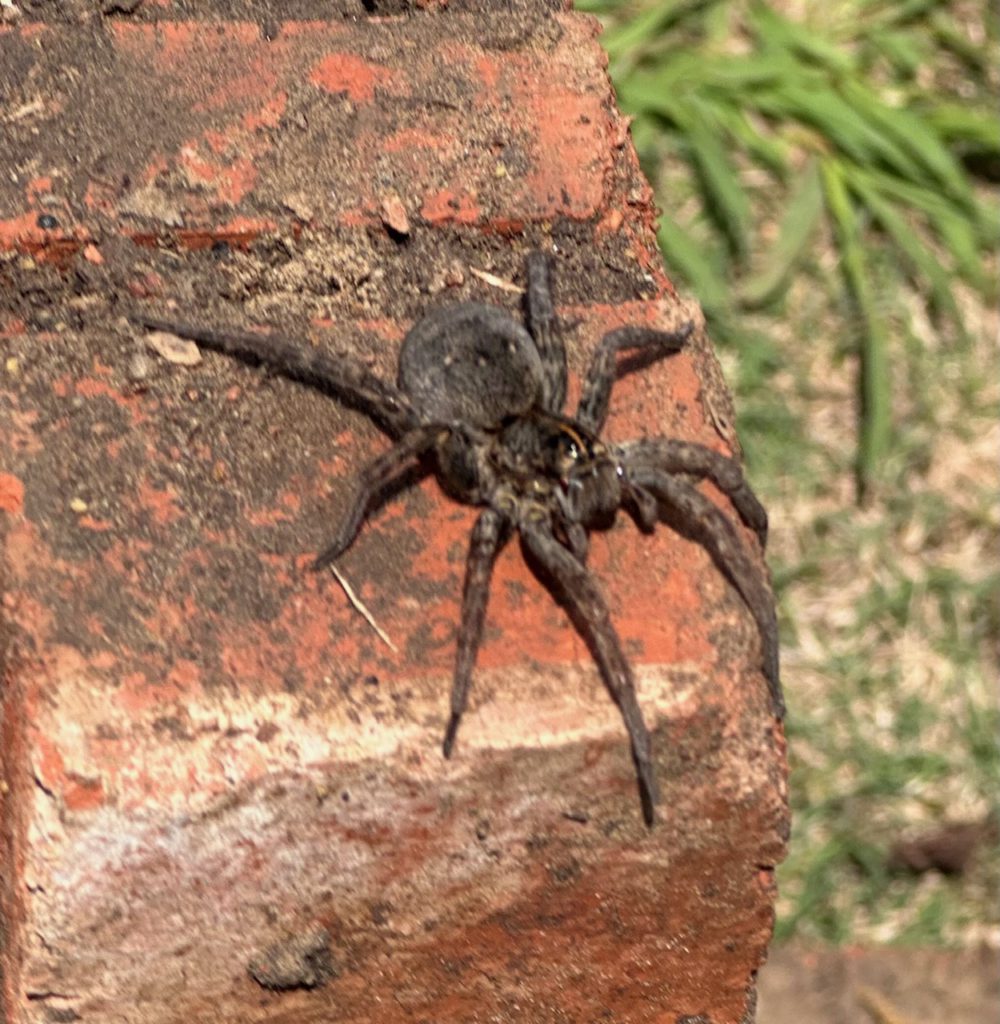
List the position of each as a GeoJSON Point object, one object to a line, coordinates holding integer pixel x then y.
{"type": "Point", "coordinates": [884, 986]}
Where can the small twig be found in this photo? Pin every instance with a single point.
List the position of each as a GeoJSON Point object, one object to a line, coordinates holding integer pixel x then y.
{"type": "Point", "coordinates": [882, 1011]}
{"type": "Point", "coordinates": [497, 282]}
{"type": "Point", "coordinates": [360, 606]}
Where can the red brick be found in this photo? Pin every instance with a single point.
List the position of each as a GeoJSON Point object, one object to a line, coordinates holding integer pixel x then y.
{"type": "Point", "coordinates": [11, 493]}
{"type": "Point", "coordinates": [205, 749]}
{"type": "Point", "coordinates": [531, 134]}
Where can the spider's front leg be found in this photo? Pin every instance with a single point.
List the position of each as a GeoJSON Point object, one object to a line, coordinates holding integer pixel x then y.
{"type": "Point", "coordinates": [593, 408]}
{"type": "Point", "coordinates": [332, 373]}
{"type": "Point", "coordinates": [691, 459]}
{"type": "Point", "coordinates": [693, 515]}
{"type": "Point", "coordinates": [489, 535]}
{"type": "Point", "coordinates": [577, 590]}
{"type": "Point", "coordinates": [545, 332]}
{"type": "Point", "coordinates": [373, 481]}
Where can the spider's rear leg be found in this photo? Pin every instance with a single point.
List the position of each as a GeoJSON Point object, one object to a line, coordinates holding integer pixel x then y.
{"type": "Point", "coordinates": [541, 319]}
{"type": "Point", "coordinates": [696, 460]}
{"type": "Point", "coordinates": [373, 481]}
{"type": "Point", "coordinates": [488, 536]}
{"type": "Point", "coordinates": [332, 373]}
{"type": "Point", "coordinates": [577, 590]}
{"type": "Point", "coordinates": [593, 408]}
{"type": "Point", "coordinates": [693, 515]}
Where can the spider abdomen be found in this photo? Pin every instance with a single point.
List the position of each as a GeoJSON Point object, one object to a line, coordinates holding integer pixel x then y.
{"type": "Point", "coordinates": [470, 363]}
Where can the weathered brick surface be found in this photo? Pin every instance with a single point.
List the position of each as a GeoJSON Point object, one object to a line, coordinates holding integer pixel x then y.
{"type": "Point", "coordinates": [209, 758]}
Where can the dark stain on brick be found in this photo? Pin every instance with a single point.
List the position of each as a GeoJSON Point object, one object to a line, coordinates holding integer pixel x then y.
{"type": "Point", "coordinates": [566, 872]}
{"type": "Point", "coordinates": [301, 960]}
{"type": "Point", "coordinates": [174, 726]}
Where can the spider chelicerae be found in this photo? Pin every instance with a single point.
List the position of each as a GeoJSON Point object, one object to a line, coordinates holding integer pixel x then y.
{"type": "Point", "coordinates": [480, 399]}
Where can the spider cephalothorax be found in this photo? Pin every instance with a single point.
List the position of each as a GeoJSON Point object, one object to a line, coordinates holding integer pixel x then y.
{"type": "Point", "coordinates": [481, 398]}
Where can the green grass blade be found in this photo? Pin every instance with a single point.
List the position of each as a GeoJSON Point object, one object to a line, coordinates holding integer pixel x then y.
{"type": "Point", "coordinates": [655, 93]}
{"type": "Point", "coordinates": [816, 105]}
{"type": "Point", "coordinates": [875, 386]}
{"type": "Point", "coordinates": [965, 127]}
{"type": "Point", "coordinates": [764, 148]}
{"type": "Point", "coordinates": [632, 37]}
{"type": "Point", "coordinates": [964, 238]}
{"type": "Point", "coordinates": [928, 160]}
{"type": "Point", "coordinates": [735, 74]}
{"type": "Point", "coordinates": [802, 215]}
{"type": "Point", "coordinates": [902, 12]}
{"type": "Point", "coordinates": [682, 253]}
{"type": "Point", "coordinates": [950, 37]}
{"type": "Point", "coordinates": [910, 245]}
{"type": "Point", "coordinates": [776, 32]}
{"type": "Point", "coordinates": [724, 194]}
{"type": "Point", "coordinates": [906, 51]}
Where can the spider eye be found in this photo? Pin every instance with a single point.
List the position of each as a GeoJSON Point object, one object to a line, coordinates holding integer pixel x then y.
{"type": "Point", "coordinates": [564, 449]}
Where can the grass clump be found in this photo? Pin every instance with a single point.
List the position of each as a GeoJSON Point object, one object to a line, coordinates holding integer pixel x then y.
{"type": "Point", "coordinates": [848, 129]}
{"type": "Point", "coordinates": [829, 175]}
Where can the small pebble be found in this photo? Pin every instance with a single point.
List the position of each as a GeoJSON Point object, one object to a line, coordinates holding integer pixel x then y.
{"type": "Point", "coordinates": [174, 349]}
{"type": "Point", "coordinates": [139, 367]}
{"type": "Point", "coordinates": [394, 214]}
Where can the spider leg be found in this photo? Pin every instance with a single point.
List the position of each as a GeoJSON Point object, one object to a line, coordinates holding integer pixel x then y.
{"type": "Point", "coordinates": [373, 481]}
{"type": "Point", "coordinates": [568, 529]}
{"type": "Point", "coordinates": [577, 541]}
{"type": "Point", "coordinates": [335, 374]}
{"type": "Point", "coordinates": [489, 535]}
{"type": "Point", "coordinates": [593, 408]}
{"type": "Point", "coordinates": [692, 514]}
{"type": "Point", "coordinates": [647, 510]}
{"type": "Point", "coordinates": [696, 460]}
{"type": "Point", "coordinates": [542, 324]}
{"type": "Point", "coordinates": [577, 590]}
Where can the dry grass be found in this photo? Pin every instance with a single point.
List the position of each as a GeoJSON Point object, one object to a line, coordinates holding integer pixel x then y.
{"type": "Point", "coordinates": [890, 655]}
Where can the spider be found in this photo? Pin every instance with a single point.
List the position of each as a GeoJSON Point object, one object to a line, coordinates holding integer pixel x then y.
{"type": "Point", "coordinates": [480, 400]}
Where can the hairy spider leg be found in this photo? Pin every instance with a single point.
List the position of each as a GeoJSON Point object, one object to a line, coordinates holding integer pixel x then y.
{"type": "Point", "coordinates": [490, 534]}
{"type": "Point", "coordinates": [701, 520]}
{"type": "Point", "coordinates": [696, 460]}
{"type": "Point", "coordinates": [577, 540]}
{"type": "Point", "coordinates": [335, 374]}
{"type": "Point", "coordinates": [645, 507]}
{"type": "Point", "coordinates": [541, 319]}
{"type": "Point", "coordinates": [373, 481]}
{"type": "Point", "coordinates": [576, 589]}
{"type": "Point", "coordinates": [602, 374]}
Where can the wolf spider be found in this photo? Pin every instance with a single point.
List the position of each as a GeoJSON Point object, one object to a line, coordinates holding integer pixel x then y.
{"type": "Point", "coordinates": [481, 398]}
